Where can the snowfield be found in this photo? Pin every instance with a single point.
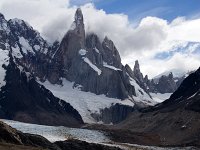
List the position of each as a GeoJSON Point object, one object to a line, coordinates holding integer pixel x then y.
{"type": "Point", "coordinates": [85, 103]}
{"type": "Point", "coordinates": [158, 97]}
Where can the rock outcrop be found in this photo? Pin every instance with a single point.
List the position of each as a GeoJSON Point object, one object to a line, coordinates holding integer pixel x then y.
{"type": "Point", "coordinates": [113, 115]}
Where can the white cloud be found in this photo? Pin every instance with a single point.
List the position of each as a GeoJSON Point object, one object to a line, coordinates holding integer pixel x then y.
{"type": "Point", "coordinates": [152, 35]}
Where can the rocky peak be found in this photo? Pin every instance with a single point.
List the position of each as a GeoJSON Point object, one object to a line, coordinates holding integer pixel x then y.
{"type": "Point", "coordinates": [92, 41]}
{"type": "Point", "coordinates": [171, 75]}
{"type": "Point", "coordinates": [78, 17]}
{"type": "Point", "coordinates": [137, 73]}
{"type": "Point", "coordinates": [146, 79]}
{"type": "Point", "coordinates": [2, 16]}
{"type": "Point", "coordinates": [111, 53]}
{"type": "Point", "coordinates": [137, 66]}
{"type": "Point", "coordinates": [3, 23]}
{"type": "Point", "coordinates": [108, 43]}
{"type": "Point", "coordinates": [78, 24]}
{"type": "Point", "coordinates": [129, 71]}
{"type": "Point", "coordinates": [4, 32]}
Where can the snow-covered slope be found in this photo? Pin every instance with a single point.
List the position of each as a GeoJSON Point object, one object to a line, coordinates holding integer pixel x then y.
{"type": "Point", "coordinates": [141, 95]}
{"type": "Point", "coordinates": [85, 103]}
{"type": "Point", "coordinates": [158, 97]}
{"type": "Point", "coordinates": [4, 60]}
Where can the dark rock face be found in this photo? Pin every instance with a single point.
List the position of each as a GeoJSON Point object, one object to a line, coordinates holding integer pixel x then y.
{"type": "Point", "coordinates": [23, 99]}
{"type": "Point", "coordinates": [175, 121]}
{"type": "Point", "coordinates": [88, 62]}
{"type": "Point", "coordinates": [138, 76]}
{"type": "Point", "coordinates": [187, 95]}
{"type": "Point", "coordinates": [114, 114]}
{"type": "Point", "coordinates": [166, 84]}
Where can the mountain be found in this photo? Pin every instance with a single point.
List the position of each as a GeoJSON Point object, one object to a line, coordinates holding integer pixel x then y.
{"type": "Point", "coordinates": [173, 122]}
{"type": "Point", "coordinates": [21, 97]}
{"type": "Point", "coordinates": [160, 87]}
{"type": "Point", "coordinates": [79, 72]}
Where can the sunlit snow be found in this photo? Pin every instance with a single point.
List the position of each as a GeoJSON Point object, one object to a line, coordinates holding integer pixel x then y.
{"type": "Point", "coordinates": [95, 68]}
{"type": "Point", "coordinates": [84, 102]}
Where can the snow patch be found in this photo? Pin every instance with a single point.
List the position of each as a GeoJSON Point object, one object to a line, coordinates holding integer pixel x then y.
{"type": "Point", "coordinates": [192, 95]}
{"type": "Point", "coordinates": [111, 67]}
{"type": "Point", "coordinates": [25, 46]}
{"type": "Point", "coordinates": [82, 52]}
{"type": "Point", "coordinates": [141, 95]}
{"type": "Point", "coordinates": [37, 47]}
{"type": "Point", "coordinates": [85, 103]}
{"type": "Point", "coordinates": [16, 52]}
{"type": "Point", "coordinates": [95, 68]}
{"type": "Point", "coordinates": [96, 50]}
{"type": "Point", "coordinates": [158, 97]}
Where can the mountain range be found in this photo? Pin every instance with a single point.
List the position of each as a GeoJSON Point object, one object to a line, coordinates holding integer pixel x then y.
{"type": "Point", "coordinates": [81, 82]}
{"type": "Point", "coordinates": [80, 64]}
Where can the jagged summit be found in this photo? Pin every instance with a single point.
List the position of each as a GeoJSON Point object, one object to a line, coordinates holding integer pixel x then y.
{"type": "Point", "coordinates": [2, 16]}
{"type": "Point", "coordinates": [78, 17]}
{"type": "Point", "coordinates": [137, 66]}
{"type": "Point", "coordinates": [79, 61]}
{"type": "Point", "coordinates": [93, 64]}
{"type": "Point", "coordinates": [78, 24]}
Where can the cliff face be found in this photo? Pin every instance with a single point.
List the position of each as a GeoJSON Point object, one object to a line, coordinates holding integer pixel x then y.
{"type": "Point", "coordinates": [94, 65]}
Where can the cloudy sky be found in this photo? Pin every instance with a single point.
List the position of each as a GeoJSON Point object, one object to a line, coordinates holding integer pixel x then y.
{"type": "Point", "coordinates": [161, 34]}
